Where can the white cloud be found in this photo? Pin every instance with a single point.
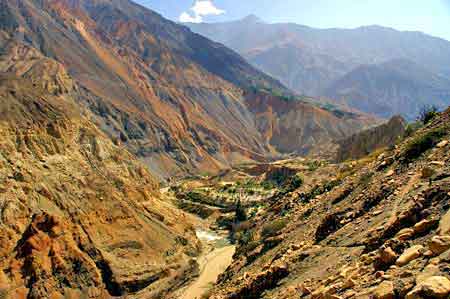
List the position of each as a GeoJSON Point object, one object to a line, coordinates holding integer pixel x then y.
{"type": "Point", "coordinates": [206, 7]}
{"type": "Point", "coordinates": [187, 18]}
{"type": "Point", "coordinates": [200, 9]}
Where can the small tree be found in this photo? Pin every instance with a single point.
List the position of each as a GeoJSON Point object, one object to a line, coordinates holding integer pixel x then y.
{"type": "Point", "coordinates": [427, 113]}
{"type": "Point", "coordinates": [241, 214]}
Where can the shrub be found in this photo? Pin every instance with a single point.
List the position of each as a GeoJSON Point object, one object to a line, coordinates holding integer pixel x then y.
{"type": "Point", "coordinates": [241, 232]}
{"type": "Point", "coordinates": [296, 182]}
{"type": "Point", "coordinates": [279, 178]}
{"type": "Point", "coordinates": [241, 213]}
{"type": "Point", "coordinates": [365, 179]}
{"type": "Point", "coordinates": [423, 143]}
{"type": "Point", "coordinates": [273, 228]}
{"type": "Point", "coordinates": [427, 113]}
{"type": "Point", "coordinates": [267, 185]}
{"type": "Point", "coordinates": [245, 237]}
{"type": "Point", "coordinates": [314, 165]}
{"type": "Point", "coordinates": [412, 128]}
{"type": "Point", "coordinates": [319, 190]}
{"type": "Point", "coordinates": [293, 183]}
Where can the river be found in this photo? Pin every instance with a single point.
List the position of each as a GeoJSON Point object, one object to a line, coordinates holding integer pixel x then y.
{"type": "Point", "coordinates": [217, 256]}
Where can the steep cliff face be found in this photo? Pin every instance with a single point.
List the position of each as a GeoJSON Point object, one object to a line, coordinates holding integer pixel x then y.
{"type": "Point", "coordinates": [294, 126]}
{"type": "Point", "coordinates": [79, 216]}
{"type": "Point", "coordinates": [367, 141]}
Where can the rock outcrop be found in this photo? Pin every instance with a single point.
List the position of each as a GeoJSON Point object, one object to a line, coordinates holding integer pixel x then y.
{"type": "Point", "coordinates": [79, 216]}
{"type": "Point", "coordinates": [363, 143]}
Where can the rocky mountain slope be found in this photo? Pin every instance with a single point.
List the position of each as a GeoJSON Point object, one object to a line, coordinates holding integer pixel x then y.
{"type": "Point", "coordinates": [313, 61]}
{"type": "Point", "coordinates": [174, 98]}
{"type": "Point", "coordinates": [79, 215]}
{"type": "Point", "coordinates": [371, 228]}
{"type": "Point", "coordinates": [365, 142]}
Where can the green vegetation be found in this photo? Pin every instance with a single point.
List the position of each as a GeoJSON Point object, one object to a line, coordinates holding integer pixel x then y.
{"type": "Point", "coordinates": [366, 179]}
{"type": "Point", "coordinates": [206, 198]}
{"type": "Point", "coordinates": [314, 165]}
{"type": "Point", "coordinates": [294, 182]}
{"type": "Point", "coordinates": [283, 95]}
{"type": "Point", "coordinates": [273, 228]}
{"type": "Point", "coordinates": [240, 212]}
{"type": "Point", "coordinates": [268, 185]}
{"type": "Point", "coordinates": [319, 190]}
{"type": "Point", "coordinates": [279, 178]}
{"type": "Point", "coordinates": [422, 143]}
{"type": "Point", "coordinates": [427, 114]}
{"type": "Point", "coordinates": [412, 128]}
{"type": "Point", "coordinates": [242, 233]}
{"type": "Point", "coordinates": [200, 210]}
{"type": "Point", "coordinates": [336, 111]}
{"type": "Point", "coordinates": [249, 187]}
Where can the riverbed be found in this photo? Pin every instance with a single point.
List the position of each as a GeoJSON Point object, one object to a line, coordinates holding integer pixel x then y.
{"type": "Point", "coordinates": [217, 256]}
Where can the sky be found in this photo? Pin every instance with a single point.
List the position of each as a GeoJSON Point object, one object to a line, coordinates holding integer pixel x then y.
{"type": "Point", "coordinates": [429, 16]}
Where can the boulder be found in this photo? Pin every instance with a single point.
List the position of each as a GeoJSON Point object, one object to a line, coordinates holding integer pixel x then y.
{"type": "Point", "coordinates": [429, 271]}
{"type": "Point", "coordinates": [387, 256]}
{"type": "Point", "coordinates": [425, 225]}
{"type": "Point", "coordinates": [439, 244]}
{"type": "Point", "coordinates": [348, 283]}
{"type": "Point", "coordinates": [4, 283]}
{"type": "Point", "coordinates": [385, 290]}
{"type": "Point", "coordinates": [445, 257]}
{"type": "Point", "coordinates": [437, 163]}
{"type": "Point", "coordinates": [409, 255]}
{"type": "Point", "coordinates": [436, 287]}
{"type": "Point", "coordinates": [433, 287]}
{"type": "Point", "coordinates": [414, 294]}
{"type": "Point", "coordinates": [444, 224]}
{"type": "Point", "coordinates": [405, 234]}
{"type": "Point", "coordinates": [325, 292]}
{"type": "Point", "coordinates": [390, 173]}
{"type": "Point", "coordinates": [442, 144]}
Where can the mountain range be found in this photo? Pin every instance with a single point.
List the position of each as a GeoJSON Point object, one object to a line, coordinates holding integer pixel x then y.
{"type": "Point", "coordinates": [172, 97]}
{"type": "Point", "coordinates": [406, 70]}
{"type": "Point", "coordinates": [140, 160]}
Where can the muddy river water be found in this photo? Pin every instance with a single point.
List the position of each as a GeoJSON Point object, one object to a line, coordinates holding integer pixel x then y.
{"type": "Point", "coordinates": [217, 256]}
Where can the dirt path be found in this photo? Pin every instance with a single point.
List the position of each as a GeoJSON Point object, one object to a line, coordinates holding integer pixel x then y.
{"type": "Point", "coordinates": [211, 266]}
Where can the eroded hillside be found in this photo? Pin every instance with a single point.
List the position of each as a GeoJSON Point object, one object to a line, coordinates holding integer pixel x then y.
{"type": "Point", "coordinates": [79, 215]}
{"type": "Point", "coordinates": [371, 228]}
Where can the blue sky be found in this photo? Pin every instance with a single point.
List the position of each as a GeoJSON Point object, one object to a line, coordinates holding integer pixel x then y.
{"type": "Point", "coordinates": [429, 16]}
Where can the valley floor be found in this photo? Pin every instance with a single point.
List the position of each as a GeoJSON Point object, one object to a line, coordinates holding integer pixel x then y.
{"type": "Point", "coordinates": [212, 265]}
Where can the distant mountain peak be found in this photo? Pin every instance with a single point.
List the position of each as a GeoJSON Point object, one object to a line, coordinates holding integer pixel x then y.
{"type": "Point", "coordinates": [252, 19]}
